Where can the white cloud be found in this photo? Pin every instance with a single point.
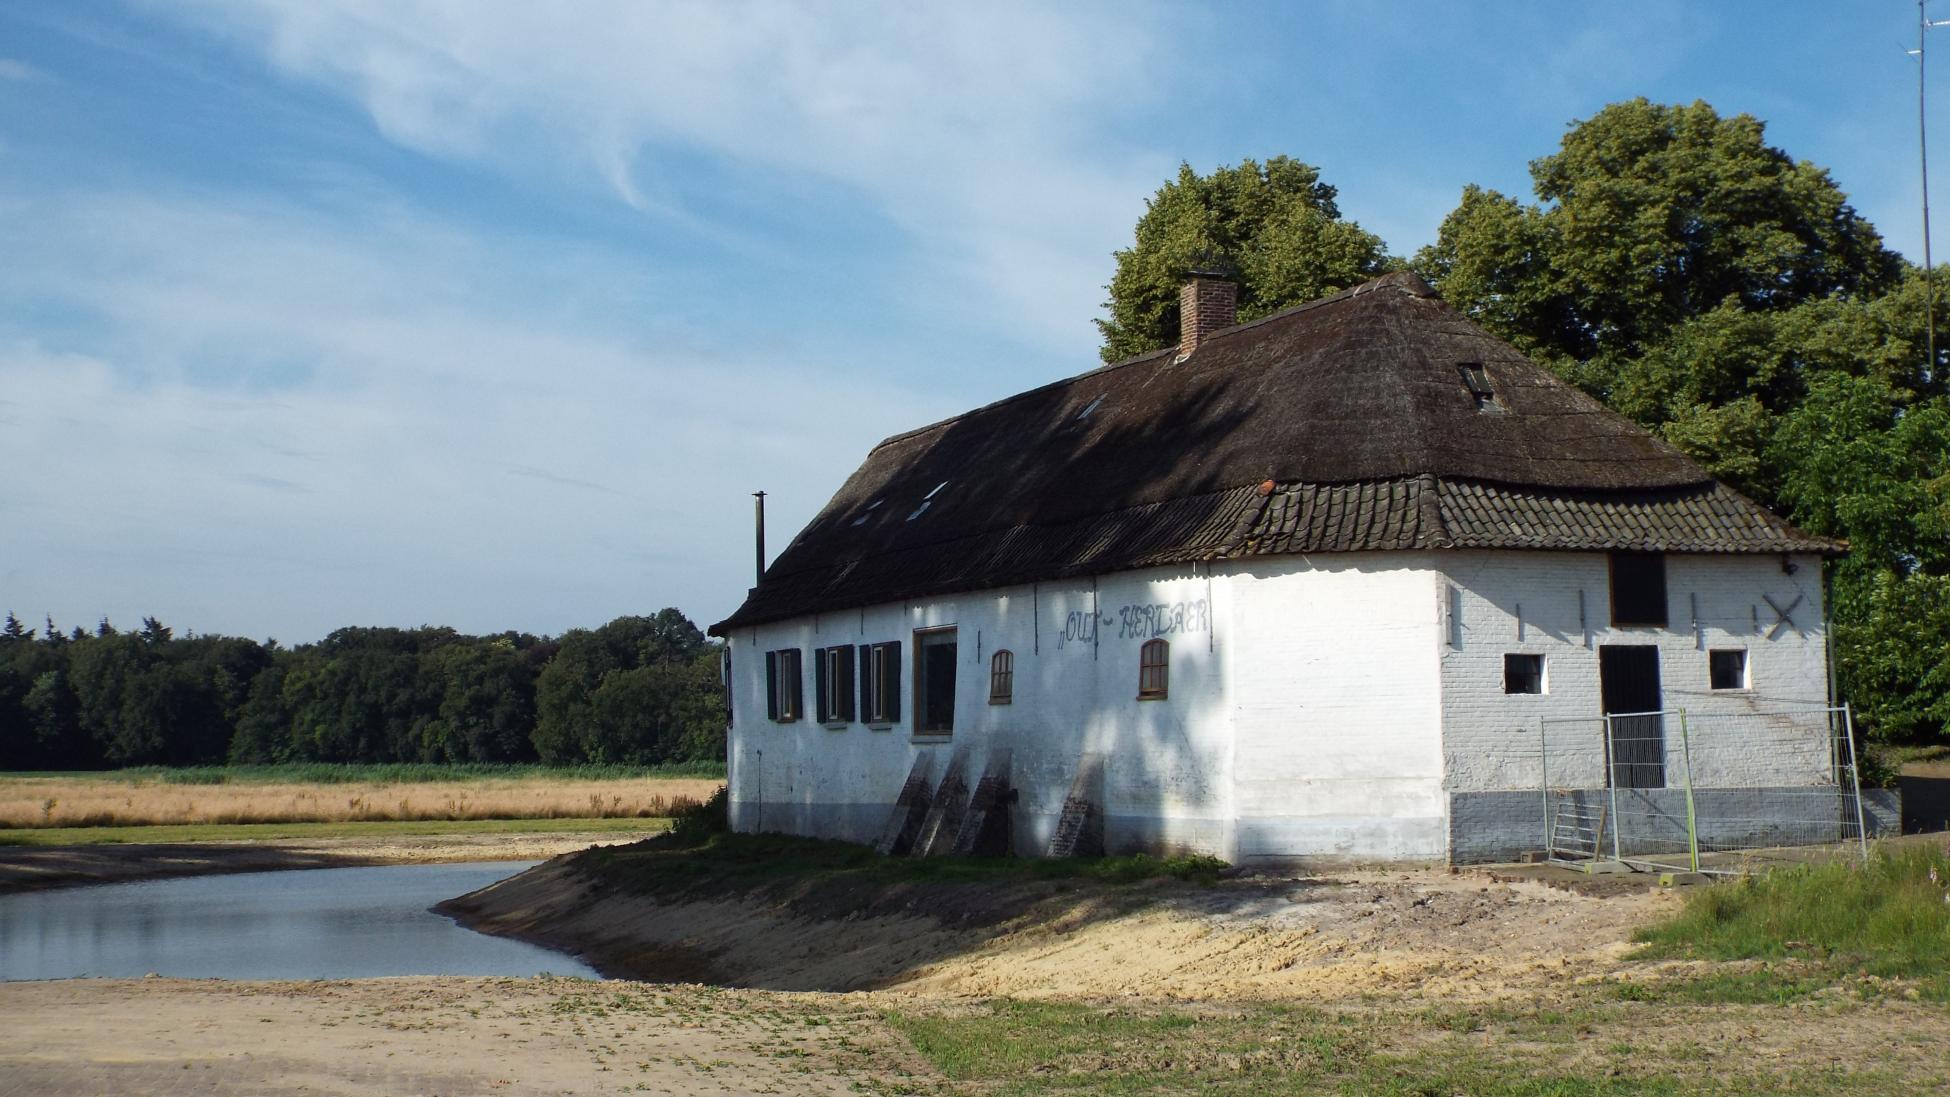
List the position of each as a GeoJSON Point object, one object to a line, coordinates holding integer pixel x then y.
{"type": "Point", "coordinates": [977, 128]}
{"type": "Point", "coordinates": [11, 69]}
{"type": "Point", "coordinates": [272, 419]}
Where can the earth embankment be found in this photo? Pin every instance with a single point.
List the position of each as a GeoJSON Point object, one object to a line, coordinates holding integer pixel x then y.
{"type": "Point", "coordinates": [650, 911]}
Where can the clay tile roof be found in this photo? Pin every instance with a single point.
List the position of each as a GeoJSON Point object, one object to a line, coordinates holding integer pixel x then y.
{"type": "Point", "coordinates": [1354, 405]}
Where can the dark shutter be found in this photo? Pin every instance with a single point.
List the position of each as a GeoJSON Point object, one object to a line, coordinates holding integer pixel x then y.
{"type": "Point", "coordinates": [819, 684]}
{"type": "Point", "coordinates": [894, 682]}
{"type": "Point", "coordinates": [866, 683]}
{"type": "Point", "coordinates": [1638, 589]}
{"type": "Point", "coordinates": [772, 685]}
{"type": "Point", "coordinates": [843, 677]}
{"type": "Point", "coordinates": [798, 687]}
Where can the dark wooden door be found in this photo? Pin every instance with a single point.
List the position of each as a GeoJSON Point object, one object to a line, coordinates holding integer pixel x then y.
{"type": "Point", "coordinates": [1628, 682]}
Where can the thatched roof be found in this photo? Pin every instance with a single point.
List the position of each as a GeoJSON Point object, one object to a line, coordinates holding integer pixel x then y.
{"type": "Point", "coordinates": [1354, 407]}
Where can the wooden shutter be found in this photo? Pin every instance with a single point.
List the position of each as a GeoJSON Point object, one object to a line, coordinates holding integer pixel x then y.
{"type": "Point", "coordinates": [819, 684]}
{"type": "Point", "coordinates": [797, 686]}
{"type": "Point", "coordinates": [843, 678]}
{"type": "Point", "coordinates": [866, 683]}
{"type": "Point", "coordinates": [772, 685]}
{"type": "Point", "coordinates": [893, 698]}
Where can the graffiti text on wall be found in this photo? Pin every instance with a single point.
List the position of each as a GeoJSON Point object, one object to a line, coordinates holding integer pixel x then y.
{"type": "Point", "coordinates": [1140, 621]}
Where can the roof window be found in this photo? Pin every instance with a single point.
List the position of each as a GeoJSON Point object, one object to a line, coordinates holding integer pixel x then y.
{"type": "Point", "coordinates": [868, 513]}
{"type": "Point", "coordinates": [1476, 379]}
{"type": "Point", "coordinates": [927, 501]}
{"type": "Point", "coordinates": [1087, 409]}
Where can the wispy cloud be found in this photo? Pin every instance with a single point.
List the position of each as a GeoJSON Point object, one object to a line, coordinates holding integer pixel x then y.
{"type": "Point", "coordinates": [429, 426]}
{"type": "Point", "coordinates": [978, 129]}
{"type": "Point", "coordinates": [11, 69]}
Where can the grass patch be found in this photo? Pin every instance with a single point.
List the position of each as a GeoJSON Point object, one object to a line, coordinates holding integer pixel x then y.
{"type": "Point", "coordinates": [740, 861]}
{"type": "Point", "coordinates": [257, 832]}
{"type": "Point", "coordinates": [1888, 917]}
{"type": "Point", "coordinates": [1009, 1048]}
{"type": "Point", "coordinates": [377, 773]}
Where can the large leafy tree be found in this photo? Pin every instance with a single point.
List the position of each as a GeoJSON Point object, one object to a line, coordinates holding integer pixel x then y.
{"type": "Point", "coordinates": [1651, 215]}
{"type": "Point", "coordinates": [1727, 296]}
{"type": "Point", "coordinates": [1274, 225]}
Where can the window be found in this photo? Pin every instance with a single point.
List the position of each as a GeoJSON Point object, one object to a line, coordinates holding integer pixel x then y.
{"type": "Point", "coordinates": [833, 684]}
{"type": "Point", "coordinates": [785, 688]}
{"type": "Point", "coordinates": [880, 683]}
{"type": "Point", "coordinates": [725, 679]}
{"type": "Point", "coordinates": [934, 682]}
{"type": "Point", "coordinates": [1523, 673]}
{"type": "Point", "coordinates": [1002, 677]}
{"type": "Point", "coordinates": [1477, 380]}
{"type": "Point", "coordinates": [1154, 670]}
{"type": "Point", "coordinates": [1638, 590]}
{"type": "Point", "coordinates": [1727, 669]}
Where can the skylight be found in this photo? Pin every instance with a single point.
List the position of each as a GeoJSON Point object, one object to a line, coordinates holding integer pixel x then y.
{"type": "Point", "coordinates": [1477, 380]}
{"type": "Point", "coordinates": [927, 501]}
{"type": "Point", "coordinates": [868, 513]}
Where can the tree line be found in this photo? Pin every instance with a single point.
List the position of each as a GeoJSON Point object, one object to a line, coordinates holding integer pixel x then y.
{"type": "Point", "coordinates": [637, 691]}
{"type": "Point", "coordinates": [1696, 279]}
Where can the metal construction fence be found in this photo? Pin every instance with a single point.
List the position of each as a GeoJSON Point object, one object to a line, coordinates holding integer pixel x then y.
{"type": "Point", "coordinates": [1699, 792]}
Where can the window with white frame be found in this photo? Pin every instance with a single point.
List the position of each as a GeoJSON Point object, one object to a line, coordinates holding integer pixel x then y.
{"type": "Point", "coordinates": [833, 684]}
{"type": "Point", "coordinates": [1523, 673]}
{"type": "Point", "coordinates": [880, 683]}
{"type": "Point", "coordinates": [1726, 668]}
{"type": "Point", "coordinates": [785, 687]}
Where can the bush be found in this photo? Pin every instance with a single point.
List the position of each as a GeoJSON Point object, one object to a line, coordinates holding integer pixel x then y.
{"type": "Point", "coordinates": [696, 825]}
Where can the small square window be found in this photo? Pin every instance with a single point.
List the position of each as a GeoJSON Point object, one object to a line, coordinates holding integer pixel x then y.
{"type": "Point", "coordinates": [1728, 669]}
{"type": "Point", "coordinates": [1523, 673]}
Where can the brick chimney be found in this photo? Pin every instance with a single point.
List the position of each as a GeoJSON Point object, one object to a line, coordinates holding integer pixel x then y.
{"type": "Point", "coordinates": [1208, 301]}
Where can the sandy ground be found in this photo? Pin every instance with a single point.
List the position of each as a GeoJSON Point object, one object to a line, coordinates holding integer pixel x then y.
{"type": "Point", "coordinates": [29, 868]}
{"type": "Point", "coordinates": [1472, 935]}
{"type": "Point", "coordinates": [426, 1037]}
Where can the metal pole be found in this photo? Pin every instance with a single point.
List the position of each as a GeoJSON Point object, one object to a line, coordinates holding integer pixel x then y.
{"type": "Point", "coordinates": [1544, 780]}
{"type": "Point", "coordinates": [1692, 819]}
{"type": "Point", "coordinates": [1855, 778]}
{"type": "Point", "coordinates": [758, 518]}
{"type": "Point", "coordinates": [1611, 759]}
{"type": "Point", "coordinates": [1923, 151]}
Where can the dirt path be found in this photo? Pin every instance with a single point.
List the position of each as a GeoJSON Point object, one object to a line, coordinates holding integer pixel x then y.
{"type": "Point", "coordinates": [30, 868]}
{"type": "Point", "coordinates": [425, 1037]}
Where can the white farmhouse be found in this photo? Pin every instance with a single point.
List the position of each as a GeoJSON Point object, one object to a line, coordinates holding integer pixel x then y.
{"type": "Point", "coordinates": [1304, 588]}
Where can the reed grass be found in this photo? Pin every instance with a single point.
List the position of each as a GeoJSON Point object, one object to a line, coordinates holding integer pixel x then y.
{"type": "Point", "coordinates": [115, 800]}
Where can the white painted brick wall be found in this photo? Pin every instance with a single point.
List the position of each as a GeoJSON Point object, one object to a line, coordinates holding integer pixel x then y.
{"type": "Point", "coordinates": [1491, 739]}
{"type": "Point", "coordinates": [1337, 752]}
{"type": "Point", "coordinates": [1075, 692]}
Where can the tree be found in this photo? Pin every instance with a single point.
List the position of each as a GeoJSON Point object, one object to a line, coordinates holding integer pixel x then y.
{"type": "Point", "coordinates": [1275, 225]}
{"type": "Point", "coordinates": [1729, 298]}
{"type": "Point", "coordinates": [1652, 215]}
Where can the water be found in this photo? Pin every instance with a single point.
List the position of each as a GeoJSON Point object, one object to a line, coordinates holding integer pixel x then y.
{"type": "Point", "coordinates": [334, 923]}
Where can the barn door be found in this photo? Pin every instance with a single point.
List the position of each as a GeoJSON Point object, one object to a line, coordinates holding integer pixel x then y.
{"type": "Point", "coordinates": [1628, 682]}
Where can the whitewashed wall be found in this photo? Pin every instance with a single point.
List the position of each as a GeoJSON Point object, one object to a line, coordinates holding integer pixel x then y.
{"type": "Point", "coordinates": [1529, 602]}
{"type": "Point", "coordinates": [1076, 680]}
{"type": "Point", "coordinates": [1337, 724]}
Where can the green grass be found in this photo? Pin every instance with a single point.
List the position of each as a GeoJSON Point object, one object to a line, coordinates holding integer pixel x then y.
{"type": "Point", "coordinates": [1888, 917]}
{"type": "Point", "coordinates": [1010, 1048]}
{"type": "Point", "coordinates": [726, 862]}
{"type": "Point", "coordinates": [254, 832]}
{"type": "Point", "coordinates": [328, 773]}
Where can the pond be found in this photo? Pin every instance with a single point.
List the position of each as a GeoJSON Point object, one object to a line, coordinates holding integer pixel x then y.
{"type": "Point", "coordinates": [334, 923]}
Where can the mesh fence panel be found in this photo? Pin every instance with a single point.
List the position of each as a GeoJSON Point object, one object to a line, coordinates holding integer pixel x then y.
{"type": "Point", "coordinates": [1715, 792]}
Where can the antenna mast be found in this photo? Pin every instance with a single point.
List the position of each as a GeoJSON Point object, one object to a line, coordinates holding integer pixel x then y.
{"type": "Point", "coordinates": [1923, 25]}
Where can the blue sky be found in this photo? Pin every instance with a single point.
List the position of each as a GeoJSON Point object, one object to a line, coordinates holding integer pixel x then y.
{"type": "Point", "coordinates": [492, 315]}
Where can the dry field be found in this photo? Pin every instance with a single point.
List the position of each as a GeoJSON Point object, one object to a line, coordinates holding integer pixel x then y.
{"type": "Point", "coordinates": [81, 801]}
